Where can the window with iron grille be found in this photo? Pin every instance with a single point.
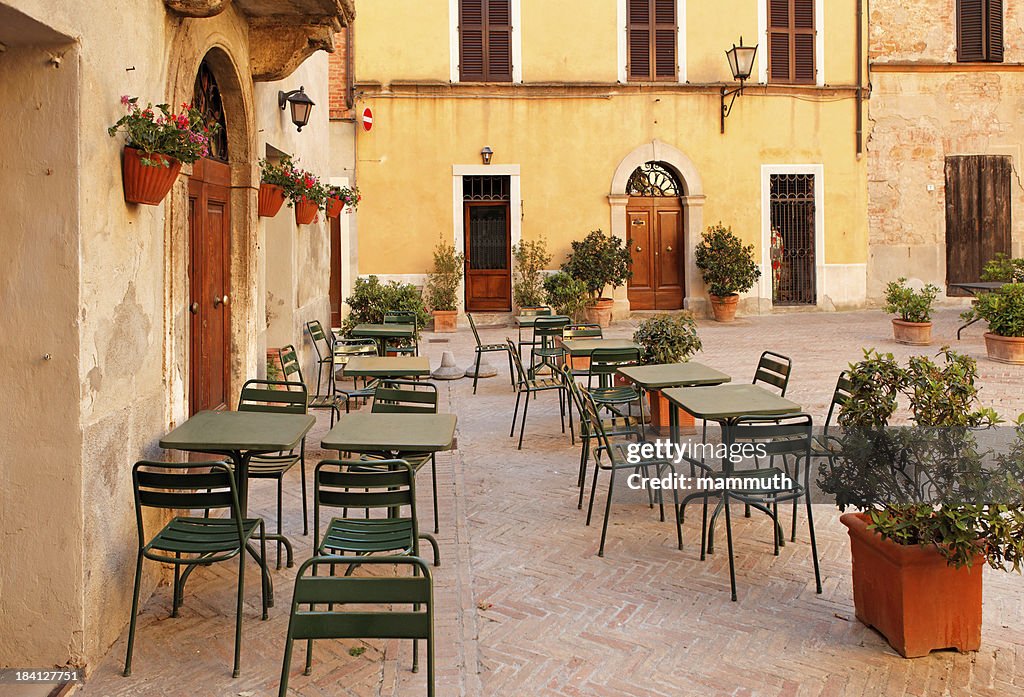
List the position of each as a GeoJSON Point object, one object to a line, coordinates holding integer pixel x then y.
{"type": "Point", "coordinates": [485, 40]}
{"type": "Point", "coordinates": [791, 41]}
{"type": "Point", "coordinates": [791, 202]}
{"type": "Point", "coordinates": [979, 31]}
{"type": "Point", "coordinates": [651, 33]}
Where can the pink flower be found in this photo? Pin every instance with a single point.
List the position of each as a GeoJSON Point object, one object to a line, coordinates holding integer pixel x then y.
{"type": "Point", "coordinates": [125, 99]}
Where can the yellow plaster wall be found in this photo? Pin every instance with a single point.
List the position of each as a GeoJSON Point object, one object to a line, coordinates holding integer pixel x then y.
{"type": "Point", "coordinates": [551, 53]}
{"type": "Point", "coordinates": [402, 40]}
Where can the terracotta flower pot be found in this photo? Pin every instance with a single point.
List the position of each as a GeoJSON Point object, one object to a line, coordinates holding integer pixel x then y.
{"type": "Point", "coordinates": [334, 207]}
{"type": "Point", "coordinates": [271, 198]}
{"type": "Point", "coordinates": [910, 595]}
{"type": "Point", "coordinates": [147, 184]}
{"type": "Point", "coordinates": [913, 333]}
{"type": "Point", "coordinates": [660, 411]}
{"type": "Point", "coordinates": [600, 312]}
{"type": "Point", "coordinates": [445, 321]}
{"type": "Point", "coordinates": [305, 211]}
{"type": "Point", "coordinates": [1005, 349]}
{"type": "Point", "coordinates": [723, 307]}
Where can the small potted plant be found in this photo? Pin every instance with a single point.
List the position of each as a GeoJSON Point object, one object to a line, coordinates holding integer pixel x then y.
{"type": "Point", "coordinates": [275, 179]}
{"type": "Point", "coordinates": [530, 259]}
{"type": "Point", "coordinates": [443, 286]}
{"type": "Point", "coordinates": [371, 300]}
{"type": "Point", "coordinates": [156, 145]}
{"type": "Point", "coordinates": [935, 507]}
{"type": "Point", "coordinates": [566, 295]}
{"type": "Point", "coordinates": [306, 194]}
{"type": "Point", "coordinates": [599, 261]}
{"type": "Point", "coordinates": [341, 197]}
{"type": "Point", "coordinates": [728, 269]}
{"type": "Point", "coordinates": [1003, 310]}
{"type": "Point", "coordinates": [665, 339]}
{"type": "Point", "coordinates": [914, 307]}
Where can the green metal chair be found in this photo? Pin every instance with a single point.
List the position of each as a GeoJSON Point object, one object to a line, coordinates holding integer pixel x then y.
{"type": "Point", "coordinates": [335, 395]}
{"type": "Point", "coordinates": [344, 350]}
{"type": "Point", "coordinates": [545, 330]}
{"type": "Point", "coordinates": [604, 365]}
{"type": "Point", "coordinates": [773, 370]}
{"type": "Point", "coordinates": [527, 384]}
{"type": "Point", "coordinates": [324, 349]}
{"type": "Point", "coordinates": [482, 348]}
{"type": "Point", "coordinates": [344, 592]}
{"type": "Point", "coordinates": [404, 317]}
{"type": "Point", "coordinates": [612, 457]}
{"type": "Point", "coordinates": [261, 395]}
{"type": "Point", "coordinates": [530, 312]}
{"type": "Point", "coordinates": [194, 541]}
{"type": "Point", "coordinates": [827, 444]}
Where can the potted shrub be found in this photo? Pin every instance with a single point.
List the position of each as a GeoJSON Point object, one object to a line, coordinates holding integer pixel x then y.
{"type": "Point", "coordinates": [934, 506]}
{"type": "Point", "coordinates": [914, 307]}
{"type": "Point", "coordinates": [1003, 268]}
{"type": "Point", "coordinates": [341, 197]}
{"type": "Point", "coordinates": [443, 286]}
{"type": "Point", "coordinates": [566, 295]}
{"type": "Point", "coordinates": [371, 299]}
{"type": "Point", "coordinates": [1003, 310]}
{"type": "Point", "coordinates": [599, 261]}
{"type": "Point", "coordinates": [530, 259]}
{"type": "Point", "coordinates": [156, 146]}
{"type": "Point", "coordinates": [275, 179]}
{"type": "Point", "coordinates": [728, 269]}
{"type": "Point", "coordinates": [667, 339]}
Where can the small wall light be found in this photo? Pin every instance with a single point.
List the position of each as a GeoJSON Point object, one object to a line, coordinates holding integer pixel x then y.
{"type": "Point", "coordinates": [301, 105]}
{"type": "Point", "coordinates": [486, 154]}
{"type": "Point", "coordinates": [741, 63]}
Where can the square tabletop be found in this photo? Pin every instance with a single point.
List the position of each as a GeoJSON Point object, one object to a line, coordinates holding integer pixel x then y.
{"type": "Point", "coordinates": [528, 320]}
{"type": "Point", "coordinates": [387, 366]}
{"type": "Point", "coordinates": [383, 330]}
{"type": "Point", "coordinates": [689, 374]}
{"type": "Point", "coordinates": [230, 431]}
{"type": "Point", "coordinates": [584, 347]}
{"type": "Point", "coordinates": [360, 433]}
{"type": "Point", "coordinates": [725, 402]}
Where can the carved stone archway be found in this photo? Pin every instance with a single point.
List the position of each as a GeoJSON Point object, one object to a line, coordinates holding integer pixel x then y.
{"type": "Point", "coordinates": [693, 211]}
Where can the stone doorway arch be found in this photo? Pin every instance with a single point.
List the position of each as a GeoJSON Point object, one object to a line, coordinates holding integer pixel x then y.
{"type": "Point", "coordinates": [693, 211]}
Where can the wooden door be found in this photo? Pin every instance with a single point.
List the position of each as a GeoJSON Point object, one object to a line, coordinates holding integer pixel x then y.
{"type": "Point", "coordinates": [978, 190]}
{"type": "Point", "coordinates": [209, 273]}
{"type": "Point", "coordinates": [334, 291]}
{"type": "Point", "coordinates": [654, 229]}
{"type": "Point", "coordinates": [488, 256]}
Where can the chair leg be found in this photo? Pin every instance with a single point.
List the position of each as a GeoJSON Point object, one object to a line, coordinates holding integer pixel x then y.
{"type": "Point", "coordinates": [814, 543]}
{"type": "Point", "coordinates": [238, 614]}
{"type": "Point", "coordinates": [593, 489]}
{"type": "Point", "coordinates": [176, 591]}
{"type": "Point", "coordinates": [280, 531]}
{"type": "Point", "coordinates": [286, 666]}
{"type": "Point", "coordinates": [728, 540]}
{"type": "Point", "coordinates": [607, 512]}
{"type": "Point", "coordinates": [515, 413]}
{"type": "Point", "coordinates": [135, 612]}
{"type": "Point", "coordinates": [511, 370]}
{"type": "Point", "coordinates": [430, 664]}
{"type": "Point", "coordinates": [476, 370]}
{"type": "Point", "coordinates": [433, 546]}
{"type": "Point", "coordinates": [433, 477]}
{"type": "Point", "coordinates": [302, 470]}
{"type": "Point", "coordinates": [561, 409]}
{"type": "Point", "coordinates": [267, 592]}
{"type": "Point", "coordinates": [522, 428]}
{"type": "Point", "coordinates": [704, 531]}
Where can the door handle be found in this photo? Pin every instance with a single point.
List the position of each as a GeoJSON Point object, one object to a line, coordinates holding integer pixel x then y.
{"type": "Point", "coordinates": [194, 308]}
{"type": "Point", "coordinates": [669, 249]}
{"type": "Point", "coordinates": [639, 249]}
{"type": "Point", "coordinates": [217, 302]}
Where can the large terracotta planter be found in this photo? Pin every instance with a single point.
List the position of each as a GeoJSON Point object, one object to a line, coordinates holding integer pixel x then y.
{"type": "Point", "coordinates": [445, 321]}
{"type": "Point", "coordinates": [660, 409]}
{"type": "Point", "coordinates": [910, 595]}
{"type": "Point", "coordinates": [723, 307]}
{"type": "Point", "coordinates": [1005, 349]}
{"type": "Point", "coordinates": [305, 211]}
{"type": "Point", "coordinates": [271, 198]}
{"type": "Point", "coordinates": [147, 184]}
{"type": "Point", "coordinates": [600, 312]}
{"type": "Point", "coordinates": [334, 207]}
{"type": "Point", "coordinates": [912, 333]}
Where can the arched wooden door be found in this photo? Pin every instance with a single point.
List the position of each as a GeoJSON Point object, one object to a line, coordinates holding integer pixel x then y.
{"type": "Point", "coordinates": [654, 231]}
{"type": "Point", "coordinates": [209, 267]}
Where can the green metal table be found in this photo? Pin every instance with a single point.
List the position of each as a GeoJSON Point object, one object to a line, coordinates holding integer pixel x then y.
{"type": "Point", "coordinates": [382, 332]}
{"type": "Point", "coordinates": [371, 433]}
{"type": "Point", "coordinates": [386, 367]}
{"type": "Point", "coordinates": [658, 377]}
{"type": "Point", "coordinates": [585, 347]}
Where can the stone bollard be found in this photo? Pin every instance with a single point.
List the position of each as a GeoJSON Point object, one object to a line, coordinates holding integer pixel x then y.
{"type": "Point", "coordinates": [486, 369]}
{"type": "Point", "coordinates": [448, 370]}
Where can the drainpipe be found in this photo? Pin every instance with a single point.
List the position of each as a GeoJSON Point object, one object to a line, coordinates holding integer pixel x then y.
{"type": "Point", "coordinates": [860, 77]}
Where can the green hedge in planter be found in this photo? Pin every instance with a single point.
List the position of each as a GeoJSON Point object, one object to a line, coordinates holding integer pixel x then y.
{"type": "Point", "coordinates": [371, 299]}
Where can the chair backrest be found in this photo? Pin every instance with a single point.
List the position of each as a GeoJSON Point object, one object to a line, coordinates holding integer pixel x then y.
{"type": "Point", "coordinates": [549, 326]}
{"type": "Point", "coordinates": [290, 365]}
{"type": "Point", "coordinates": [606, 361]}
{"type": "Point", "coordinates": [178, 486]}
{"type": "Point", "coordinates": [779, 435]}
{"type": "Point", "coordinates": [840, 396]}
{"type": "Point", "coordinates": [354, 347]}
{"type": "Point", "coordinates": [593, 419]}
{"type": "Point", "coordinates": [517, 361]}
{"type": "Point", "coordinates": [472, 325]}
{"type": "Point", "coordinates": [575, 392]}
{"type": "Point", "coordinates": [402, 317]}
{"type": "Point", "coordinates": [365, 485]}
{"type": "Point", "coordinates": [534, 311]}
{"type": "Point", "coordinates": [404, 397]}
{"type": "Point", "coordinates": [582, 331]}
{"type": "Point", "coordinates": [773, 369]}
{"type": "Point", "coordinates": [321, 343]}
{"type": "Point", "coordinates": [260, 395]}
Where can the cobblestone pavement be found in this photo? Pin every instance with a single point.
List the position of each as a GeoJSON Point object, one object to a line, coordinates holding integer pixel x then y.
{"type": "Point", "coordinates": [525, 606]}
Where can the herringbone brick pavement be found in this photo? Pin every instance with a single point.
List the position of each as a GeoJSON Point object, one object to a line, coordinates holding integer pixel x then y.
{"type": "Point", "coordinates": [526, 608]}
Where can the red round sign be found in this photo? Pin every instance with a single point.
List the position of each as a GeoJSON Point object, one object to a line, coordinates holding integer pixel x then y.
{"type": "Point", "coordinates": [367, 119]}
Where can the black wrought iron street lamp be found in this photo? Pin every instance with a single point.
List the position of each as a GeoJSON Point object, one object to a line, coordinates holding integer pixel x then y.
{"type": "Point", "coordinates": [300, 103]}
{"type": "Point", "coordinates": [741, 63]}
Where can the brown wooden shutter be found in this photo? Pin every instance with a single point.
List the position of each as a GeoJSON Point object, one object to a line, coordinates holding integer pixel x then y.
{"type": "Point", "coordinates": [499, 40]}
{"type": "Point", "coordinates": [471, 40]}
{"type": "Point", "coordinates": [651, 38]}
{"type": "Point", "coordinates": [665, 33]}
{"type": "Point", "coordinates": [791, 41]}
{"type": "Point", "coordinates": [994, 38]}
{"type": "Point", "coordinates": [979, 31]}
{"type": "Point", "coordinates": [639, 39]}
{"type": "Point", "coordinates": [485, 40]}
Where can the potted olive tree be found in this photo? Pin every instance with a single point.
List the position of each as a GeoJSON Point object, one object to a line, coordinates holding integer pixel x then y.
{"type": "Point", "coordinates": [599, 260]}
{"type": "Point", "coordinates": [443, 286]}
{"type": "Point", "coordinates": [530, 258]}
{"type": "Point", "coordinates": [1003, 310]}
{"type": "Point", "coordinates": [935, 507]}
{"type": "Point", "coordinates": [914, 307]}
{"type": "Point", "coordinates": [667, 339]}
{"type": "Point", "coordinates": [728, 269]}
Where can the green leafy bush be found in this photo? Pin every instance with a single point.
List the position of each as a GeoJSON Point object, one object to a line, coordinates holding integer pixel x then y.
{"type": "Point", "coordinates": [370, 299]}
{"type": "Point", "coordinates": [727, 265]}
{"type": "Point", "coordinates": [599, 260]}
{"type": "Point", "coordinates": [1003, 268]}
{"type": "Point", "coordinates": [531, 258]}
{"type": "Point", "coordinates": [911, 305]}
{"type": "Point", "coordinates": [566, 295]}
{"type": "Point", "coordinates": [443, 282]}
{"type": "Point", "coordinates": [1002, 309]}
{"type": "Point", "coordinates": [667, 338]}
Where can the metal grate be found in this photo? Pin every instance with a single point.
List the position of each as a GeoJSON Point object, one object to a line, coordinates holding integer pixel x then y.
{"type": "Point", "coordinates": [792, 243]}
{"type": "Point", "coordinates": [486, 188]}
{"type": "Point", "coordinates": [488, 239]}
{"type": "Point", "coordinates": [653, 179]}
{"type": "Point", "coordinates": [206, 99]}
